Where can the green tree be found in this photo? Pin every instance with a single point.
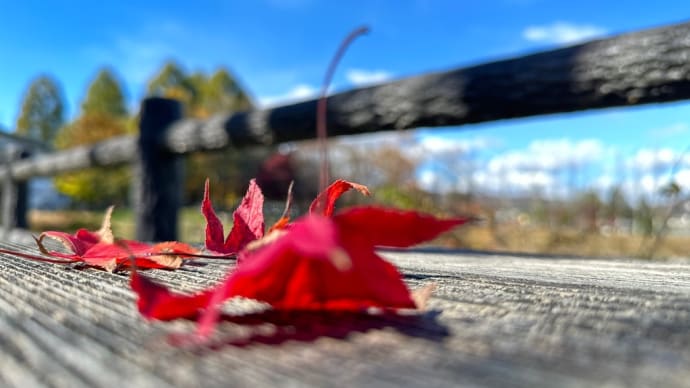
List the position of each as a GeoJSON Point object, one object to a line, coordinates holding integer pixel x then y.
{"type": "Point", "coordinates": [103, 115]}
{"type": "Point", "coordinates": [42, 112]}
{"type": "Point", "coordinates": [104, 96]}
{"type": "Point", "coordinates": [173, 82]}
{"type": "Point", "coordinates": [201, 94]}
{"type": "Point", "coordinates": [97, 186]}
{"type": "Point", "coordinates": [222, 93]}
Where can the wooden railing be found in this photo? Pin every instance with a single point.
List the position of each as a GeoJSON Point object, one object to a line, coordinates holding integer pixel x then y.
{"type": "Point", "coordinates": [636, 68]}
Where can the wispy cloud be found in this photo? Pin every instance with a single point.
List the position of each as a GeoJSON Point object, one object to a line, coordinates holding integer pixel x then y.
{"type": "Point", "coordinates": [297, 93]}
{"type": "Point", "coordinates": [360, 77]}
{"type": "Point", "coordinates": [437, 145]}
{"type": "Point", "coordinates": [549, 154]}
{"type": "Point", "coordinates": [562, 33]}
{"type": "Point", "coordinates": [556, 167]}
{"type": "Point", "coordinates": [653, 159]}
{"type": "Point", "coordinates": [680, 128]}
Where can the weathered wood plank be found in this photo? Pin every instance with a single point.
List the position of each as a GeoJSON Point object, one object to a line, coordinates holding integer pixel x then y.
{"type": "Point", "coordinates": [494, 321]}
{"type": "Point", "coordinates": [111, 152]}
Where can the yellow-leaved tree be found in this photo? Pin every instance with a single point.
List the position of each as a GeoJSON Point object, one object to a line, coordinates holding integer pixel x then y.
{"type": "Point", "coordinates": [103, 115]}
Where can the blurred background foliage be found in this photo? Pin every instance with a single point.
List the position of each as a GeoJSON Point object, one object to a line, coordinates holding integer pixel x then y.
{"type": "Point", "coordinates": [588, 222]}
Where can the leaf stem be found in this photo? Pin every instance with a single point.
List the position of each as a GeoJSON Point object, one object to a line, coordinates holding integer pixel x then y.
{"type": "Point", "coordinates": [321, 132]}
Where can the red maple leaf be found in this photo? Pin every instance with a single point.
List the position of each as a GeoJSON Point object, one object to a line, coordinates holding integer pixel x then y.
{"type": "Point", "coordinates": [82, 240]}
{"type": "Point", "coordinates": [315, 263]}
{"type": "Point", "coordinates": [318, 263]}
{"type": "Point", "coordinates": [155, 301]}
{"type": "Point", "coordinates": [100, 249]}
{"type": "Point", "coordinates": [324, 203]}
{"type": "Point", "coordinates": [247, 226]}
{"type": "Point", "coordinates": [325, 263]}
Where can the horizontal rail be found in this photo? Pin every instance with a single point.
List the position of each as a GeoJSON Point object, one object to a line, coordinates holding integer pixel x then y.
{"type": "Point", "coordinates": [637, 68]}
{"type": "Point", "coordinates": [643, 67]}
{"type": "Point", "coordinates": [114, 151]}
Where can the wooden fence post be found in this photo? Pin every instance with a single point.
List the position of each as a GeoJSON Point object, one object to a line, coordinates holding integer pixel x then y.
{"type": "Point", "coordinates": [158, 173]}
{"type": "Point", "coordinates": [14, 193]}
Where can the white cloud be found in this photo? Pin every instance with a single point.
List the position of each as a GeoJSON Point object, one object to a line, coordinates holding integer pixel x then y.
{"type": "Point", "coordinates": [439, 144]}
{"type": "Point", "coordinates": [683, 178]}
{"type": "Point", "coordinates": [552, 166]}
{"type": "Point", "coordinates": [544, 165]}
{"type": "Point", "coordinates": [549, 155]}
{"type": "Point", "coordinates": [427, 179]}
{"type": "Point", "coordinates": [437, 149]}
{"type": "Point", "coordinates": [297, 93]}
{"type": "Point", "coordinates": [513, 180]}
{"type": "Point", "coordinates": [557, 168]}
{"type": "Point", "coordinates": [653, 159]}
{"type": "Point", "coordinates": [562, 33]}
{"type": "Point", "coordinates": [360, 77]}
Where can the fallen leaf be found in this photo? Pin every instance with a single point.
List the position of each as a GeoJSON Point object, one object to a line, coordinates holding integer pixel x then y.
{"type": "Point", "coordinates": [284, 219]}
{"type": "Point", "coordinates": [155, 301]}
{"type": "Point", "coordinates": [248, 222]}
{"type": "Point", "coordinates": [100, 249]}
{"type": "Point", "coordinates": [324, 203]}
{"type": "Point", "coordinates": [82, 239]}
{"type": "Point", "coordinates": [316, 264]}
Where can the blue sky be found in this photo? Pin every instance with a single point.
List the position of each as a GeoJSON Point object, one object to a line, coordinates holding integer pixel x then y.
{"type": "Point", "coordinates": [280, 49]}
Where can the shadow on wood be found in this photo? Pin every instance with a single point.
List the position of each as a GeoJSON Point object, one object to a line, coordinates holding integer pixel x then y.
{"type": "Point", "coordinates": [275, 327]}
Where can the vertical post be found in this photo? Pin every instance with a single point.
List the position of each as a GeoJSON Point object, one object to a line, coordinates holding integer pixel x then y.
{"type": "Point", "coordinates": [14, 193]}
{"type": "Point", "coordinates": [158, 173]}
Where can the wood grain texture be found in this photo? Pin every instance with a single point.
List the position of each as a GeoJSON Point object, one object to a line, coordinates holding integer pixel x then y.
{"type": "Point", "coordinates": [495, 320]}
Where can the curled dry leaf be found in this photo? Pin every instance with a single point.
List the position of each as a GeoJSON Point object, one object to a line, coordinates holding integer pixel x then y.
{"type": "Point", "coordinates": [82, 240]}
{"type": "Point", "coordinates": [100, 249]}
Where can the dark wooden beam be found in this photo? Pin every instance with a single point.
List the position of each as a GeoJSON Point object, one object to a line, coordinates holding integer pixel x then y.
{"type": "Point", "coordinates": [643, 67]}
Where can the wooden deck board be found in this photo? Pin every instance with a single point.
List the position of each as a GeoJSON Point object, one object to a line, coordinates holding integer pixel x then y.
{"type": "Point", "coordinates": [495, 320]}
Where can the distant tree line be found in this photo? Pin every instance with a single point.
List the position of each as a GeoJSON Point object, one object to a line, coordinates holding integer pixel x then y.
{"type": "Point", "coordinates": [104, 113]}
